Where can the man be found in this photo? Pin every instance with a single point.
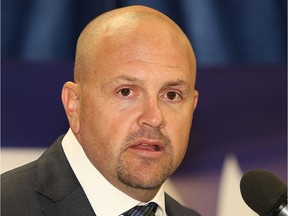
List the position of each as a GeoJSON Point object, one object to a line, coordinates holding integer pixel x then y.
{"type": "Point", "coordinates": [130, 112]}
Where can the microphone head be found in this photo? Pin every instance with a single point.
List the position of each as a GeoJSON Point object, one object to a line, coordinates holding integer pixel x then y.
{"type": "Point", "coordinates": [263, 192]}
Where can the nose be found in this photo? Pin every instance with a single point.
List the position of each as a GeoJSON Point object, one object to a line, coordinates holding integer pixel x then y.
{"type": "Point", "coordinates": [151, 115]}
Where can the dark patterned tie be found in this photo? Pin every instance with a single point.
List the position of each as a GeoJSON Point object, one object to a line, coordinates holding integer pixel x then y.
{"type": "Point", "coordinates": [147, 210]}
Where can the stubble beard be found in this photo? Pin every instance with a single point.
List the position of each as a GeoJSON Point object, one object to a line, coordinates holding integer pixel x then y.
{"type": "Point", "coordinates": [142, 172]}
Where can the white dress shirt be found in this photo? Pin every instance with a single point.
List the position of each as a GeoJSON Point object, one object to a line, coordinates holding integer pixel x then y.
{"type": "Point", "coordinates": [105, 199]}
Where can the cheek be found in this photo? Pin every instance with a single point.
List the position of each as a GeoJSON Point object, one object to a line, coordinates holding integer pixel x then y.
{"type": "Point", "coordinates": [180, 144]}
{"type": "Point", "coordinates": [179, 131]}
{"type": "Point", "coordinates": [108, 126]}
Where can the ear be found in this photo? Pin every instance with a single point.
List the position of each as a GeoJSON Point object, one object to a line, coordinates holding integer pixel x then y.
{"type": "Point", "coordinates": [196, 96]}
{"type": "Point", "coordinates": [70, 100]}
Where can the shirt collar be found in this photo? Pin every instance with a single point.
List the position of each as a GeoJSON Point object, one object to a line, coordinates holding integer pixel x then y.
{"type": "Point", "coordinates": [98, 190]}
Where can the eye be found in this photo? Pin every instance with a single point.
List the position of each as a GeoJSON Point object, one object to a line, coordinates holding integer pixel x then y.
{"type": "Point", "coordinates": [125, 92]}
{"type": "Point", "coordinates": [173, 96]}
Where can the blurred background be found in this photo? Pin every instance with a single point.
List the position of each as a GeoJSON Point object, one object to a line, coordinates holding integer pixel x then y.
{"type": "Point", "coordinates": [241, 119]}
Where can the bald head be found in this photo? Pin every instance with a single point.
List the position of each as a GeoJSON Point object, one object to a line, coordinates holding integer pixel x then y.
{"type": "Point", "coordinates": [120, 24]}
{"type": "Point", "coordinates": [134, 84]}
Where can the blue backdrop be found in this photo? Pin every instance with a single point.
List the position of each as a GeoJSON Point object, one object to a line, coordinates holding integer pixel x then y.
{"type": "Point", "coordinates": [222, 32]}
{"type": "Point", "coordinates": [241, 51]}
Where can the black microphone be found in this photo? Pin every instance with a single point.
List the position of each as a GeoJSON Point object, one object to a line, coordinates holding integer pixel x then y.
{"type": "Point", "coordinates": [264, 193]}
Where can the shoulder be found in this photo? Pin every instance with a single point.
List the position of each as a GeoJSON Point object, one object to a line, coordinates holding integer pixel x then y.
{"type": "Point", "coordinates": [18, 181]}
{"type": "Point", "coordinates": [20, 186]}
{"type": "Point", "coordinates": [18, 191]}
{"type": "Point", "coordinates": [23, 175]}
{"type": "Point", "coordinates": [175, 208]}
{"type": "Point", "coordinates": [26, 175]}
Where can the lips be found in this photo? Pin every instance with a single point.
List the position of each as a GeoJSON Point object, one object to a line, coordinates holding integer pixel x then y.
{"type": "Point", "coordinates": [148, 147]}
{"type": "Point", "coordinates": [152, 146]}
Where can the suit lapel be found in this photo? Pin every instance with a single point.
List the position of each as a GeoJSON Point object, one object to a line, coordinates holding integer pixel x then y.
{"type": "Point", "coordinates": [74, 204]}
{"type": "Point", "coordinates": [60, 191]}
{"type": "Point", "coordinates": [173, 208]}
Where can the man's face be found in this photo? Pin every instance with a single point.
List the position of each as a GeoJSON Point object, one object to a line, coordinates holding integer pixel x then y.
{"type": "Point", "coordinates": [136, 107]}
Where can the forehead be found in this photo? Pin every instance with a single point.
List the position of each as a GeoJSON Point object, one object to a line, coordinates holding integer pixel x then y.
{"type": "Point", "coordinates": [142, 47]}
{"type": "Point", "coordinates": [152, 33]}
{"type": "Point", "coordinates": [149, 41]}
{"type": "Point", "coordinates": [148, 74]}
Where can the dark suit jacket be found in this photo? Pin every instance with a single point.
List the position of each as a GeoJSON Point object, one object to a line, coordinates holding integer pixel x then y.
{"type": "Point", "coordinates": [48, 186]}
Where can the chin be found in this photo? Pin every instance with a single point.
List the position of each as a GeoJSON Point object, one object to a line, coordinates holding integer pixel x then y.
{"type": "Point", "coordinates": [136, 184]}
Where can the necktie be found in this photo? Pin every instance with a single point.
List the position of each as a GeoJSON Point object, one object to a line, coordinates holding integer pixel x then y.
{"type": "Point", "coordinates": [147, 210]}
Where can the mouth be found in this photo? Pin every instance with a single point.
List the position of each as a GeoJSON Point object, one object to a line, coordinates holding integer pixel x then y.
{"type": "Point", "coordinates": [147, 146]}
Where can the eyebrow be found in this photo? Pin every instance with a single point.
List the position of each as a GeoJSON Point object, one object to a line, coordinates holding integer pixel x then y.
{"type": "Point", "coordinates": [178, 83]}
{"type": "Point", "coordinates": [131, 79]}
{"type": "Point", "coordinates": [123, 78]}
